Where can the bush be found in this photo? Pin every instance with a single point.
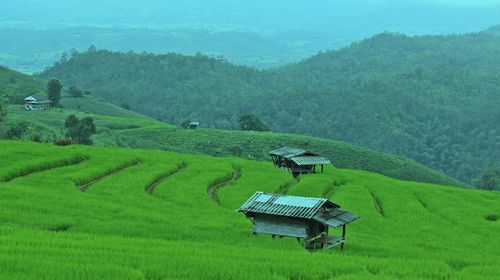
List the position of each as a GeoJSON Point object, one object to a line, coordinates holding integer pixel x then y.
{"type": "Point", "coordinates": [17, 131]}
{"type": "Point", "coordinates": [125, 106]}
{"type": "Point", "coordinates": [75, 91]}
{"type": "Point", "coordinates": [185, 123]}
{"type": "Point", "coordinates": [63, 142]}
{"type": "Point", "coordinates": [80, 131]}
{"type": "Point", "coordinates": [252, 122]}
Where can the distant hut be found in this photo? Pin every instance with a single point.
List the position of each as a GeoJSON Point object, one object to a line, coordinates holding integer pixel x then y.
{"type": "Point", "coordinates": [36, 103]}
{"type": "Point", "coordinates": [193, 125]}
{"type": "Point", "coordinates": [307, 219]}
{"type": "Point", "coordinates": [298, 161]}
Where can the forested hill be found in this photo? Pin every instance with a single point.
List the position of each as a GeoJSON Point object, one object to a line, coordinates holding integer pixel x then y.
{"type": "Point", "coordinates": [433, 98]}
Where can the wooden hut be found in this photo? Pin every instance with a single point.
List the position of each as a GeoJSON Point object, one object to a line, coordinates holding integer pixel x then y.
{"type": "Point", "coordinates": [298, 161]}
{"type": "Point", "coordinates": [305, 218]}
{"type": "Point", "coordinates": [193, 125]}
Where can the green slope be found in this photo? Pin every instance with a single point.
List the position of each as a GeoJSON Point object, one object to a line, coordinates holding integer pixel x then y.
{"type": "Point", "coordinates": [115, 229]}
{"type": "Point", "coordinates": [430, 98]}
{"type": "Point", "coordinates": [119, 127]}
{"type": "Point", "coordinates": [15, 86]}
{"type": "Point", "coordinates": [255, 145]}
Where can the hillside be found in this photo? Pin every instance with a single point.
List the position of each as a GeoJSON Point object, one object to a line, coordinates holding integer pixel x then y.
{"type": "Point", "coordinates": [32, 50]}
{"type": "Point", "coordinates": [430, 98]}
{"type": "Point", "coordinates": [119, 127]}
{"type": "Point", "coordinates": [255, 145]}
{"type": "Point", "coordinates": [98, 213]}
{"type": "Point", "coordinates": [14, 86]}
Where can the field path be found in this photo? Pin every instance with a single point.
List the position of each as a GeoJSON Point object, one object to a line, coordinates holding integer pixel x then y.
{"type": "Point", "coordinates": [212, 190]}
{"type": "Point", "coordinates": [85, 186]}
{"type": "Point", "coordinates": [151, 187]}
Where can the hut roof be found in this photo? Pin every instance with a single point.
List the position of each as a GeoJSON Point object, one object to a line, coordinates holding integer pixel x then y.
{"type": "Point", "coordinates": [289, 152]}
{"type": "Point", "coordinates": [310, 160]}
{"type": "Point", "coordinates": [319, 209]}
{"type": "Point", "coordinates": [335, 217]}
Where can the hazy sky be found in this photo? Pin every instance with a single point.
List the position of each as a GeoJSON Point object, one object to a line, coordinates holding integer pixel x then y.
{"type": "Point", "coordinates": [480, 3]}
{"type": "Point", "coordinates": [362, 17]}
{"type": "Point", "coordinates": [467, 2]}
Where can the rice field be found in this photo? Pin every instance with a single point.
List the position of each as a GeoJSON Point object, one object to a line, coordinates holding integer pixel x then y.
{"type": "Point", "coordinates": [99, 213]}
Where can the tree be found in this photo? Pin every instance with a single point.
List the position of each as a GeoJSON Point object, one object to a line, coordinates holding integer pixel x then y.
{"type": "Point", "coordinates": [252, 122]}
{"type": "Point", "coordinates": [71, 121]}
{"type": "Point", "coordinates": [74, 52]}
{"type": "Point", "coordinates": [86, 128]}
{"type": "Point", "coordinates": [54, 87]}
{"type": "Point", "coordinates": [74, 91]}
{"type": "Point", "coordinates": [185, 123]}
{"type": "Point", "coordinates": [64, 58]}
{"type": "Point", "coordinates": [92, 49]}
{"type": "Point", "coordinates": [80, 131]}
{"type": "Point", "coordinates": [490, 180]}
{"type": "Point", "coordinates": [3, 112]}
{"type": "Point", "coordinates": [125, 106]}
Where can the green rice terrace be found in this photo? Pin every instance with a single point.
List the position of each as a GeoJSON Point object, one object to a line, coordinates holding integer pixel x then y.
{"type": "Point", "coordinates": [98, 213]}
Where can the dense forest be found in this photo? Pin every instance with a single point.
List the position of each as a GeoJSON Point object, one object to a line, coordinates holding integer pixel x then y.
{"type": "Point", "coordinates": [432, 98]}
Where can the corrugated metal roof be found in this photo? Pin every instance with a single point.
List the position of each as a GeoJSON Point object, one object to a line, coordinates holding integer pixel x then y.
{"type": "Point", "coordinates": [335, 217]}
{"type": "Point", "coordinates": [284, 205]}
{"type": "Point", "coordinates": [298, 207]}
{"type": "Point", "coordinates": [287, 152]}
{"type": "Point", "coordinates": [310, 160]}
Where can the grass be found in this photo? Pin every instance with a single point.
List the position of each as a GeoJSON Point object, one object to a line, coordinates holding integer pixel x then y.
{"type": "Point", "coordinates": [126, 129]}
{"type": "Point", "coordinates": [255, 145]}
{"type": "Point", "coordinates": [116, 229]}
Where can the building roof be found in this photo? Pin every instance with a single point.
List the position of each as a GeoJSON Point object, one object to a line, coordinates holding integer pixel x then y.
{"type": "Point", "coordinates": [310, 160]}
{"type": "Point", "coordinates": [300, 156]}
{"type": "Point", "coordinates": [289, 152]}
{"type": "Point", "coordinates": [194, 123]}
{"type": "Point", "coordinates": [319, 209]}
{"type": "Point", "coordinates": [284, 205]}
{"type": "Point", "coordinates": [36, 99]}
{"type": "Point", "coordinates": [335, 217]}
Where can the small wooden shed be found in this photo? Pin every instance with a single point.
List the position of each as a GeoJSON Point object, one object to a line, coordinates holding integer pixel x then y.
{"type": "Point", "coordinates": [193, 125]}
{"type": "Point", "coordinates": [298, 161]}
{"type": "Point", "coordinates": [305, 218]}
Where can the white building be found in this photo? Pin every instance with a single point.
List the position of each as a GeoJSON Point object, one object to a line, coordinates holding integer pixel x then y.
{"type": "Point", "coordinates": [35, 103]}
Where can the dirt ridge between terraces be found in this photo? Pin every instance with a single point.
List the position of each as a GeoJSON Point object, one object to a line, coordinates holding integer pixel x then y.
{"type": "Point", "coordinates": [151, 187]}
{"type": "Point", "coordinates": [85, 186]}
{"type": "Point", "coordinates": [213, 189]}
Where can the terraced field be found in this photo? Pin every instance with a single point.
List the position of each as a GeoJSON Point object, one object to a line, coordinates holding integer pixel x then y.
{"type": "Point", "coordinates": [81, 212]}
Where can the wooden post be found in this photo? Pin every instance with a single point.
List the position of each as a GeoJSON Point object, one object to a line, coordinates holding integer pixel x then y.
{"type": "Point", "coordinates": [322, 168]}
{"type": "Point", "coordinates": [343, 238]}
